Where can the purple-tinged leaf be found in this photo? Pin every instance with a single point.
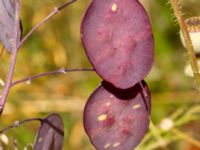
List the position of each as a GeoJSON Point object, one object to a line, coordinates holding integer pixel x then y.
{"type": "Point", "coordinates": [10, 27]}
{"type": "Point", "coordinates": [116, 119]}
{"type": "Point", "coordinates": [51, 134]}
{"type": "Point", "coordinates": [118, 40]}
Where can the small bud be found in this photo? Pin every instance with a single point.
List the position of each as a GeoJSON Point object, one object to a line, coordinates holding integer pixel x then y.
{"type": "Point", "coordinates": [166, 124]}
{"type": "Point", "coordinates": [63, 70]}
{"type": "Point", "coordinates": [28, 82]}
{"type": "Point", "coordinates": [193, 26]}
{"type": "Point", "coordinates": [4, 139]}
{"type": "Point", "coordinates": [188, 69]}
{"type": "Point", "coordinates": [2, 82]}
{"type": "Point", "coordinates": [16, 123]}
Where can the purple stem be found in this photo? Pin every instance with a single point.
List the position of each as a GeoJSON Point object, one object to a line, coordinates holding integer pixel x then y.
{"type": "Point", "coordinates": [54, 72]}
{"type": "Point", "coordinates": [13, 60]}
{"type": "Point", "coordinates": [15, 49]}
{"type": "Point", "coordinates": [54, 12]}
{"type": "Point", "coordinates": [18, 123]}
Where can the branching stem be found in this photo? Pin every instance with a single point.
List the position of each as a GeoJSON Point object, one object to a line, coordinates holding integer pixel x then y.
{"type": "Point", "coordinates": [54, 12]}
{"type": "Point", "coordinates": [16, 47]}
{"type": "Point", "coordinates": [13, 60]}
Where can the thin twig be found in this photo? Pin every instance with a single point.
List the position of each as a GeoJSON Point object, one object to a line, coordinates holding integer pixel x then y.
{"type": "Point", "coordinates": [54, 72]}
{"type": "Point", "coordinates": [16, 48]}
{"type": "Point", "coordinates": [54, 12]}
{"type": "Point", "coordinates": [66, 4]}
{"type": "Point", "coordinates": [189, 46]}
{"type": "Point", "coordinates": [158, 136]}
{"type": "Point", "coordinates": [18, 123]}
{"type": "Point", "coordinates": [186, 137]}
{"type": "Point", "coordinates": [15, 145]}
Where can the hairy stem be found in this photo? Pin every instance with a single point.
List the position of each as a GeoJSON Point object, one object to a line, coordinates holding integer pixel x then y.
{"type": "Point", "coordinates": [189, 46]}
{"type": "Point", "coordinates": [54, 72]}
{"type": "Point", "coordinates": [18, 123]}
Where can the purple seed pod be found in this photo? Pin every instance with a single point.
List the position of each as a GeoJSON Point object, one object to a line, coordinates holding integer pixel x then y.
{"type": "Point", "coordinates": [50, 135]}
{"type": "Point", "coordinates": [116, 119]}
{"type": "Point", "coordinates": [118, 41]}
{"type": "Point", "coordinates": [9, 26]}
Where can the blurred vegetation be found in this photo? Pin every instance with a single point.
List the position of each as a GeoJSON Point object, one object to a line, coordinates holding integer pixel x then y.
{"type": "Point", "coordinates": [57, 45]}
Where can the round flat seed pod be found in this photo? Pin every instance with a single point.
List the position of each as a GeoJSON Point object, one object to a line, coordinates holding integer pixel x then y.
{"type": "Point", "coordinates": [118, 41]}
{"type": "Point", "coordinates": [117, 119]}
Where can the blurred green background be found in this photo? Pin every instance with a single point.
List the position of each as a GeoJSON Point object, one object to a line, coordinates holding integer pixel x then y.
{"type": "Point", "coordinates": [56, 44]}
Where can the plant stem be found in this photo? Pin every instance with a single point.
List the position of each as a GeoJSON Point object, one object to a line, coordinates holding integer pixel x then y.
{"type": "Point", "coordinates": [18, 123]}
{"type": "Point", "coordinates": [54, 12]}
{"type": "Point", "coordinates": [13, 59]}
{"type": "Point", "coordinates": [158, 136]}
{"type": "Point", "coordinates": [54, 72]}
{"type": "Point", "coordinates": [189, 46]}
{"type": "Point", "coordinates": [186, 137]}
{"type": "Point", "coordinates": [18, 45]}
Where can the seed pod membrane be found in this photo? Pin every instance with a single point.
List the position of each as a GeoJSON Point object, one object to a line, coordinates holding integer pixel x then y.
{"type": "Point", "coordinates": [116, 119]}
{"type": "Point", "coordinates": [50, 136]}
{"type": "Point", "coordinates": [118, 40]}
{"type": "Point", "coordinates": [10, 28]}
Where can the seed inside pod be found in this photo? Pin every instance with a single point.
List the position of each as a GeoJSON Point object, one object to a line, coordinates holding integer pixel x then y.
{"type": "Point", "coordinates": [193, 26]}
